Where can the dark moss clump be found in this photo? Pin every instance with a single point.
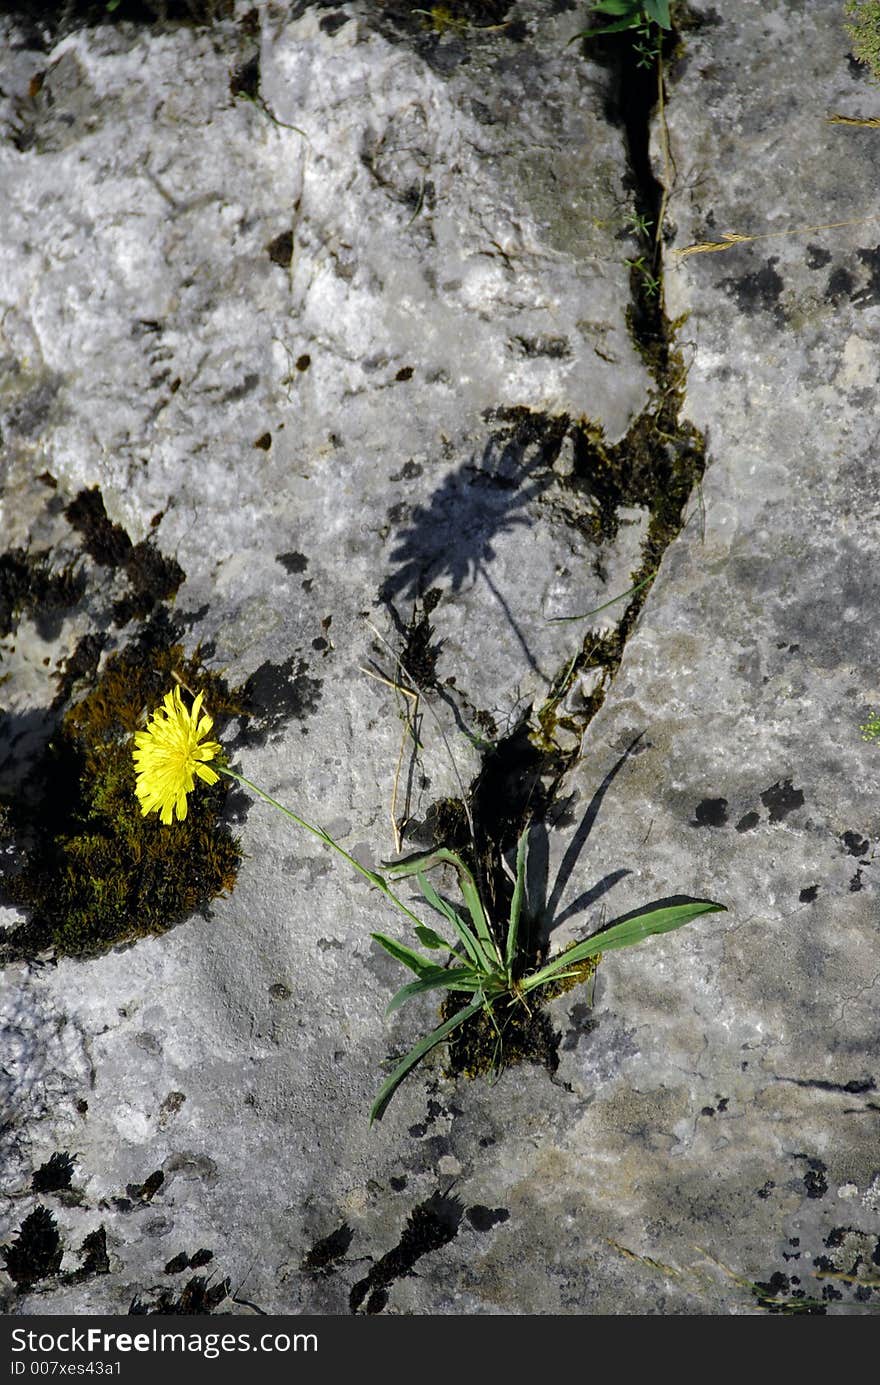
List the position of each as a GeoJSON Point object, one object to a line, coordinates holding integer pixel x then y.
{"type": "Point", "coordinates": [325, 1255]}
{"type": "Point", "coordinates": [29, 586]}
{"type": "Point", "coordinates": [89, 870]}
{"type": "Point", "coordinates": [198, 1297]}
{"type": "Point", "coordinates": [36, 1253]}
{"type": "Point", "coordinates": [429, 1226]}
{"type": "Point", "coordinates": [55, 1175]}
{"type": "Point", "coordinates": [418, 657]}
{"type": "Point", "coordinates": [522, 1032]}
{"type": "Point", "coordinates": [152, 577]}
{"type": "Point", "coordinates": [93, 1253]}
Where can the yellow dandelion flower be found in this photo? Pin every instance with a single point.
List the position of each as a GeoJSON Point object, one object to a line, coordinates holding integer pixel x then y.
{"type": "Point", "coordinates": [169, 753]}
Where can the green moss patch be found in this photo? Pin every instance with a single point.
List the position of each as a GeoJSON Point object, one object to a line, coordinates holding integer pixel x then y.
{"type": "Point", "coordinates": [522, 1032]}
{"type": "Point", "coordinates": [86, 867]}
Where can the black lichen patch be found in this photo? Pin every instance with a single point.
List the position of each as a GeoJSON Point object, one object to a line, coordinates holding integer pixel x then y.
{"type": "Point", "coordinates": [855, 844]}
{"type": "Point", "coordinates": [36, 1253]}
{"type": "Point", "coordinates": [870, 293]}
{"type": "Point", "coordinates": [484, 1218]}
{"type": "Point", "coordinates": [430, 1226]}
{"type": "Point", "coordinates": [93, 1253]}
{"type": "Point", "coordinates": [817, 256]}
{"type": "Point", "coordinates": [332, 23]}
{"type": "Point", "coordinates": [781, 1295]}
{"type": "Point", "coordinates": [152, 577]}
{"type": "Point", "coordinates": [197, 1297]}
{"type": "Point", "coordinates": [556, 348]}
{"type": "Point", "coordinates": [106, 542]}
{"type": "Point", "coordinates": [748, 821]}
{"type": "Point", "coordinates": [326, 1254]}
{"type": "Point", "coordinates": [280, 250]}
{"type": "Point", "coordinates": [292, 562]}
{"type": "Point", "coordinates": [711, 812]}
{"type": "Point", "coordinates": [30, 586]}
{"type": "Point", "coordinates": [55, 1175]}
{"type": "Point", "coordinates": [781, 799]}
{"type": "Point", "coordinates": [815, 1182]}
{"type": "Point", "coordinates": [87, 869]}
{"type": "Point", "coordinates": [244, 80]}
{"type": "Point", "coordinates": [759, 291]}
{"type": "Point", "coordinates": [146, 1191]}
{"type": "Point", "coordinates": [809, 894]}
{"type": "Point", "coordinates": [840, 286]}
{"type": "Point", "coordinates": [273, 695]}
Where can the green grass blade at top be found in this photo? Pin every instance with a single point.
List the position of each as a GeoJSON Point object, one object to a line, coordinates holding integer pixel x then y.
{"type": "Point", "coordinates": [470, 943]}
{"type": "Point", "coordinates": [658, 10]}
{"type": "Point", "coordinates": [388, 1088]}
{"type": "Point", "coordinates": [516, 903]}
{"type": "Point", "coordinates": [428, 938]}
{"type": "Point", "coordinates": [401, 953]}
{"type": "Point", "coordinates": [624, 934]}
{"type": "Point", "coordinates": [446, 979]}
{"type": "Point", "coordinates": [629, 7]}
{"type": "Point", "coordinates": [413, 865]}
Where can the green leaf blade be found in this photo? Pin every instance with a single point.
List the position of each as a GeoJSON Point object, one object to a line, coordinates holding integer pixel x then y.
{"type": "Point", "coordinates": [390, 1085]}
{"type": "Point", "coordinates": [658, 10]}
{"type": "Point", "coordinates": [401, 953]}
{"type": "Point", "coordinates": [627, 933]}
{"type": "Point", "coordinates": [516, 903]}
{"type": "Point", "coordinates": [445, 979]}
{"type": "Point", "coordinates": [428, 938]}
{"type": "Point", "coordinates": [469, 942]}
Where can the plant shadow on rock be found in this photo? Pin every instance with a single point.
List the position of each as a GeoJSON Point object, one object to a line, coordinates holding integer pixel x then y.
{"type": "Point", "coordinates": [451, 538]}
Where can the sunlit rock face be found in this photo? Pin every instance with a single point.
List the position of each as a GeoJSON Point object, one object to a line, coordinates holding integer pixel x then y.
{"type": "Point", "coordinates": [330, 304]}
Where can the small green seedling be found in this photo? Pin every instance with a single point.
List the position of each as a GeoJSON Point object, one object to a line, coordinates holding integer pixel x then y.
{"type": "Point", "coordinates": [486, 968]}
{"type": "Point", "coordinates": [639, 225]}
{"type": "Point", "coordinates": [871, 728]}
{"type": "Point", "coordinates": [636, 15]}
{"type": "Point", "coordinates": [863, 28]}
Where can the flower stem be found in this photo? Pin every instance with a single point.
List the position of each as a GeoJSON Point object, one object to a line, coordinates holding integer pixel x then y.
{"type": "Point", "coordinates": [371, 875]}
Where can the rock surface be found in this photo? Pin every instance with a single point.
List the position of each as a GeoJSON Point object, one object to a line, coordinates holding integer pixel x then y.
{"type": "Point", "coordinates": [331, 370]}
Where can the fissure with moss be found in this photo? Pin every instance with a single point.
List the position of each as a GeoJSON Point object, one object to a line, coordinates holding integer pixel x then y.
{"type": "Point", "coordinates": [657, 465]}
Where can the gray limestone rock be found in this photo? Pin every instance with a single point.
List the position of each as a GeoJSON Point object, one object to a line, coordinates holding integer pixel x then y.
{"type": "Point", "coordinates": [329, 349]}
